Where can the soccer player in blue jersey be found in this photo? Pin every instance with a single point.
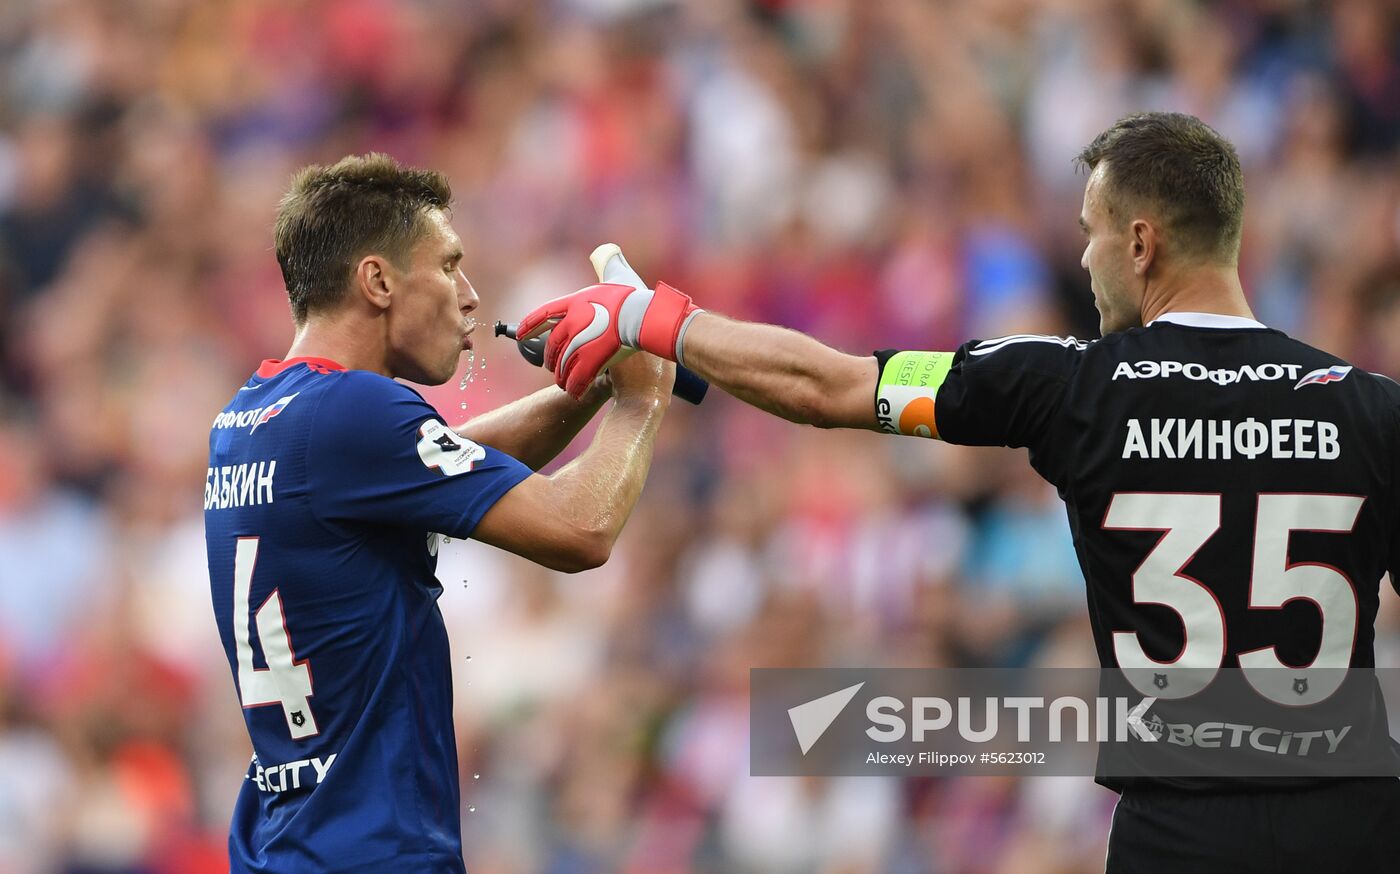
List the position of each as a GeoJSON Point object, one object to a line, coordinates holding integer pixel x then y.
{"type": "Point", "coordinates": [330, 486]}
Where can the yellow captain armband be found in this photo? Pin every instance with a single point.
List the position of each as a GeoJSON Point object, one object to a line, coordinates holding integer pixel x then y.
{"type": "Point", "coordinates": [909, 382]}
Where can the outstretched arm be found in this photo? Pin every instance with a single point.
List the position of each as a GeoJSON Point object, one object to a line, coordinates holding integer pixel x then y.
{"type": "Point", "coordinates": [1000, 392]}
{"type": "Point", "coordinates": [776, 369]}
{"type": "Point", "coordinates": [783, 372]}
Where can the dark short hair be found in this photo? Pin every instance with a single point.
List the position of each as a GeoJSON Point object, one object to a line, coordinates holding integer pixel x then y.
{"type": "Point", "coordinates": [332, 216]}
{"type": "Point", "coordinates": [1180, 165]}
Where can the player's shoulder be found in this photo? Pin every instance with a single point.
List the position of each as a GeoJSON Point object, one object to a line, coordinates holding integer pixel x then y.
{"type": "Point", "coordinates": [1173, 345]}
{"type": "Point", "coordinates": [324, 380]}
{"type": "Point", "coordinates": [1270, 356]}
{"type": "Point", "coordinates": [1321, 367]}
{"type": "Point", "coordinates": [1028, 343]}
{"type": "Point", "coordinates": [366, 423]}
{"type": "Point", "coordinates": [364, 386]}
{"type": "Point", "coordinates": [1051, 351]}
{"type": "Point", "coordinates": [355, 401]}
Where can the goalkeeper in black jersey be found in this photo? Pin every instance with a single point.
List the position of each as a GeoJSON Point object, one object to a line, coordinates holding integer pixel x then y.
{"type": "Point", "coordinates": [1234, 493]}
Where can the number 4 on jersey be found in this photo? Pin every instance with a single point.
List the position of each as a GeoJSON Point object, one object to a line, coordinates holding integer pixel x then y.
{"type": "Point", "coordinates": [285, 680]}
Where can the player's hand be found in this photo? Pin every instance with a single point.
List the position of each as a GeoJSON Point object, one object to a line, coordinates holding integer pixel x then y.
{"type": "Point", "coordinates": [584, 336]}
{"type": "Point", "coordinates": [595, 326]}
{"type": "Point", "coordinates": [643, 377]}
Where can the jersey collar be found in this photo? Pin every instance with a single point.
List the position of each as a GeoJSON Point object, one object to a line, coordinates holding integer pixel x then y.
{"type": "Point", "coordinates": [272, 366]}
{"type": "Point", "coordinates": [1207, 320]}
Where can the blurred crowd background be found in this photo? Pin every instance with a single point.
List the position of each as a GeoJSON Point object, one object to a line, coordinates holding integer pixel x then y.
{"type": "Point", "coordinates": [880, 173]}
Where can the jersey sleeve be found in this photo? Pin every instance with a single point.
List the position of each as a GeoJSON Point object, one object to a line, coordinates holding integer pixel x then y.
{"type": "Point", "coordinates": [1001, 392]}
{"type": "Point", "coordinates": [380, 453]}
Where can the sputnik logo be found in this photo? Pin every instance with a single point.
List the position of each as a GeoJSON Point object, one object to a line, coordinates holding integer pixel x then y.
{"type": "Point", "coordinates": [811, 720]}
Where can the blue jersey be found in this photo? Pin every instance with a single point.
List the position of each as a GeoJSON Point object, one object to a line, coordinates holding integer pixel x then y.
{"type": "Point", "coordinates": [328, 491]}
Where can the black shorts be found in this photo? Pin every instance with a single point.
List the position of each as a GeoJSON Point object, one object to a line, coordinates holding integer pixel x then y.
{"type": "Point", "coordinates": [1348, 826]}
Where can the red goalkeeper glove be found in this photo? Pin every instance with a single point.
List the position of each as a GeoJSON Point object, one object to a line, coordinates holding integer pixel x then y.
{"type": "Point", "coordinates": [593, 327]}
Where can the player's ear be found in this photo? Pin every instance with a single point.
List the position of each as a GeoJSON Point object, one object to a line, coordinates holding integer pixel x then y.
{"type": "Point", "coordinates": [372, 281]}
{"type": "Point", "coordinates": [1142, 236]}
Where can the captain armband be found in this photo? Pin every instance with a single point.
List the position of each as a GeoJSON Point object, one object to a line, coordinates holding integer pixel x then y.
{"type": "Point", "coordinates": [909, 381]}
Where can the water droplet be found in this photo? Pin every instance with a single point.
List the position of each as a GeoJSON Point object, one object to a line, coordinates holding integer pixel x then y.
{"type": "Point", "coordinates": [469, 658]}
{"type": "Point", "coordinates": [476, 776]}
{"type": "Point", "coordinates": [471, 809]}
{"type": "Point", "coordinates": [464, 405]}
{"type": "Point", "coordinates": [471, 370]}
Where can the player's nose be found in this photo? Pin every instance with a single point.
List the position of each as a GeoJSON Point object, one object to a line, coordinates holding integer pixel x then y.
{"type": "Point", "coordinates": [466, 295]}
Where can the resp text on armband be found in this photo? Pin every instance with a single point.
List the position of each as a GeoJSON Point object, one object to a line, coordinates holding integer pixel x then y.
{"type": "Point", "coordinates": [904, 399]}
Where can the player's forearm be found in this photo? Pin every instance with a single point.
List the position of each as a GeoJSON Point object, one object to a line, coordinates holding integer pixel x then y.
{"type": "Point", "coordinates": [536, 428]}
{"type": "Point", "coordinates": [598, 490]}
{"type": "Point", "coordinates": [782, 371]}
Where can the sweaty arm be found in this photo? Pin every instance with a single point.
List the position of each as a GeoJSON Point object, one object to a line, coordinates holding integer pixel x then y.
{"type": "Point", "coordinates": [570, 520]}
{"type": "Point", "coordinates": [379, 457]}
{"type": "Point", "coordinates": [1006, 391]}
{"type": "Point", "coordinates": [783, 372]}
{"type": "Point", "coordinates": [798, 378]}
{"type": "Point", "coordinates": [537, 427]}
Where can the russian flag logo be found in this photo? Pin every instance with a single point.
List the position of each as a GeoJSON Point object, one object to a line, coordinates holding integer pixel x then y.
{"type": "Point", "coordinates": [272, 410]}
{"type": "Point", "coordinates": [1324, 375]}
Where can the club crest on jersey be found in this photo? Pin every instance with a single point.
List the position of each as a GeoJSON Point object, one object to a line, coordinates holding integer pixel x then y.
{"type": "Point", "coordinates": [1324, 375]}
{"type": "Point", "coordinates": [1300, 685]}
{"type": "Point", "coordinates": [271, 410]}
{"type": "Point", "coordinates": [445, 451]}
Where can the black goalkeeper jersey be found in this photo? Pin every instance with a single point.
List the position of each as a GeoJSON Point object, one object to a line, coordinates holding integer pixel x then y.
{"type": "Point", "coordinates": [1232, 492]}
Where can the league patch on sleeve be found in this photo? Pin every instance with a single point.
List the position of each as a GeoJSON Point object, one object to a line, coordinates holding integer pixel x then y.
{"type": "Point", "coordinates": [909, 383]}
{"type": "Point", "coordinates": [445, 451]}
